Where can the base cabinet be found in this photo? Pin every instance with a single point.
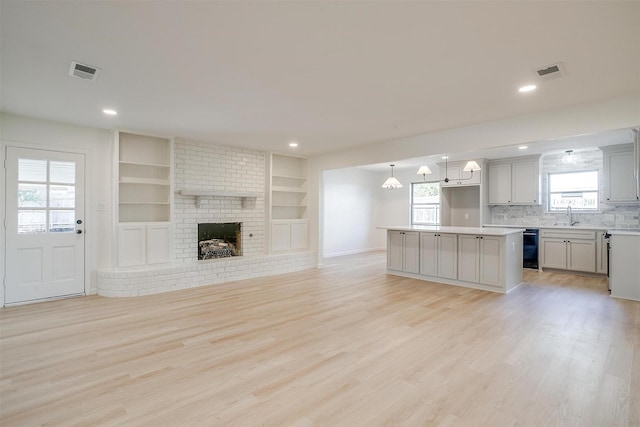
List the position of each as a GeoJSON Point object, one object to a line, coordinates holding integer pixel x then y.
{"type": "Point", "coordinates": [289, 235]}
{"type": "Point", "coordinates": [491, 261]}
{"type": "Point", "coordinates": [403, 251]}
{"type": "Point", "coordinates": [439, 255]}
{"type": "Point", "coordinates": [601, 253]}
{"type": "Point", "coordinates": [568, 250]}
{"type": "Point", "coordinates": [142, 244]}
{"type": "Point", "coordinates": [479, 259]}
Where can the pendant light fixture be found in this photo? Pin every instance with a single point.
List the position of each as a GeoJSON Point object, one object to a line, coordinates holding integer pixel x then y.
{"type": "Point", "coordinates": [392, 183]}
{"type": "Point", "coordinates": [569, 157]}
{"type": "Point", "coordinates": [424, 171]}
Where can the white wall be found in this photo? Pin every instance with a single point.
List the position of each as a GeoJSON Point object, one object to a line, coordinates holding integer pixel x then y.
{"type": "Point", "coordinates": [355, 204]}
{"type": "Point", "coordinates": [352, 211]}
{"type": "Point", "coordinates": [97, 145]}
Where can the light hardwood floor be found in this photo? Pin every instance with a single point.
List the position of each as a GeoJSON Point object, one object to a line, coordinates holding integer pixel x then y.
{"type": "Point", "coordinates": [344, 345]}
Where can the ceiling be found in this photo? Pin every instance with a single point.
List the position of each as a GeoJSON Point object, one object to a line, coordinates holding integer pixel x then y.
{"type": "Point", "coordinates": [327, 74]}
{"type": "Point", "coordinates": [575, 144]}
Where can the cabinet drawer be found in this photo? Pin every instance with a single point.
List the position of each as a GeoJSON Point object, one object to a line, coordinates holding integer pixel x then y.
{"type": "Point", "coordinates": [568, 234]}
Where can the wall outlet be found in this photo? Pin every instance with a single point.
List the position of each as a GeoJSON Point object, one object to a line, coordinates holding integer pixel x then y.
{"type": "Point", "coordinates": [466, 216]}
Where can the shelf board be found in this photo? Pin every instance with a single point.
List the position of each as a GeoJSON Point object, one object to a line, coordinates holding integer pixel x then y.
{"type": "Point", "coordinates": [282, 189]}
{"type": "Point", "coordinates": [146, 181]}
{"type": "Point", "coordinates": [289, 206]}
{"type": "Point", "coordinates": [126, 162]}
{"type": "Point", "coordinates": [144, 203]}
{"type": "Point", "coordinates": [200, 194]}
{"type": "Point", "coordinates": [301, 178]}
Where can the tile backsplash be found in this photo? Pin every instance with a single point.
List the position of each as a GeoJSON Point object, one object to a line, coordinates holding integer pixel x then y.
{"type": "Point", "coordinates": [608, 216]}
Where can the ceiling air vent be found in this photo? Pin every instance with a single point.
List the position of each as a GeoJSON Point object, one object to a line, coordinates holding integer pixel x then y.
{"type": "Point", "coordinates": [552, 71]}
{"type": "Point", "coordinates": [84, 71]}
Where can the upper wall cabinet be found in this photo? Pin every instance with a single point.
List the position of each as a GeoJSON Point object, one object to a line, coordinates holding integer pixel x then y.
{"type": "Point", "coordinates": [621, 173]}
{"type": "Point", "coordinates": [514, 181]}
{"type": "Point", "coordinates": [144, 178]}
{"type": "Point", "coordinates": [456, 176]}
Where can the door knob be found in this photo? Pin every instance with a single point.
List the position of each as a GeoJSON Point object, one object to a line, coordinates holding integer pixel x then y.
{"type": "Point", "coordinates": [78, 231]}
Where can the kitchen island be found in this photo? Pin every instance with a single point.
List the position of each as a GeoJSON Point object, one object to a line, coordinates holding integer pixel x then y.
{"type": "Point", "coordinates": [482, 258]}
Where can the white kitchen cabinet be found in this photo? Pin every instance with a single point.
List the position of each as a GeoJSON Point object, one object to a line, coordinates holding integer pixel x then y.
{"type": "Point", "coordinates": [620, 174]}
{"type": "Point", "coordinates": [624, 270]}
{"type": "Point", "coordinates": [289, 235]}
{"type": "Point", "coordinates": [439, 255]}
{"type": "Point", "coordinates": [452, 171]}
{"type": "Point", "coordinates": [514, 181]}
{"type": "Point", "coordinates": [403, 253]}
{"type": "Point", "coordinates": [479, 259]}
{"type": "Point", "coordinates": [568, 250]}
{"type": "Point", "coordinates": [140, 244]}
{"type": "Point", "coordinates": [553, 253]}
{"type": "Point", "coordinates": [499, 184]}
{"type": "Point", "coordinates": [601, 253]}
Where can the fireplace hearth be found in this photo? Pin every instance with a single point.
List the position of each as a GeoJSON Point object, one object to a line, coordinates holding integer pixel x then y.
{"type": "Point", "coordinates": [219, 240]}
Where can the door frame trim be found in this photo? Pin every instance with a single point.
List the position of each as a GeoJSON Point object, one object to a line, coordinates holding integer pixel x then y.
{"type": "Point", "coordinates": [90, 226]}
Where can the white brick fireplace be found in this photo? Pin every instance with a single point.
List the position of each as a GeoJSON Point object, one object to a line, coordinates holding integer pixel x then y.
{"type": "Point", "coordinates": [204, 166]}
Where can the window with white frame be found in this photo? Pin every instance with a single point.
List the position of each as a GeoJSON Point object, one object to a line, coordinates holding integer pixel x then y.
{"type": "Point", "coordinates": [425, 203]}
{"type": "Point", "coordinates": [576, 189]}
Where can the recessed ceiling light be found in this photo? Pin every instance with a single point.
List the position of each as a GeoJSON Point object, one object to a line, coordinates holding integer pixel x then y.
{"type": "Point", "coordinates": [110, 112]}
{"type": "Point", "coordinates": [523, 147]}
{"type": "Point", "coordinates": [293, 144]}
{"type": "Point", "coordinates": [527, 88]}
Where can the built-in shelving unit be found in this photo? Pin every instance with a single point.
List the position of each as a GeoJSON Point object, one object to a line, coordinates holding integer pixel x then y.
{"type": "Point", "coordinates": [144, 178]}
{"type": "Point", "coordinates": [145, 197]}
{"type": "Point", "coordinates": [288, 196]}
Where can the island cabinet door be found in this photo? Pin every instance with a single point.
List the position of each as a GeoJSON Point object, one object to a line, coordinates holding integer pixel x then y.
{"type": "Point", "coordinates": [468, 259]}
{"type": "Point", "coordinates": [448, 256]}
{"type": "Point", "coordinates": [428, 254]}
{"type": "Point", "coordinates": [411, 263]}
{"type": "Point", "coordinates": [490, 260]}
{"type": "Point", "coordinates": [394, 250]}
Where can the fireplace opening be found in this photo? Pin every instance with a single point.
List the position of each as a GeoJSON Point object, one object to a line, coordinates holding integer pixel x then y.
{"type": "Point", "coordinates": [219, 240]}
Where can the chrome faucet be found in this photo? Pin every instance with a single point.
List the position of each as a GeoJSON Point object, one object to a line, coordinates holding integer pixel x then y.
{"type": "Point", "coordinates": [570, 213]}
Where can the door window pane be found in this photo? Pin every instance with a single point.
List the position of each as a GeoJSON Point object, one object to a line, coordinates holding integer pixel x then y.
{"type": "Point", "coordinates": [32, 195]}
{"type": "Point", "coordinates": [61, 221]}
{"type": "Point", "coordinates": [62, 172]}
{"type": "Point", "coordinates": [62, 196]}
{"type": "Point", "coordinates": [32, 221]}
{"type": "Point", "coordinates": [32, 170]}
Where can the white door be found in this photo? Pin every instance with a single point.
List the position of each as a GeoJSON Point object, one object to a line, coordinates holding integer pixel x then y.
{"type": "Point", "coordinates": [45, 224]}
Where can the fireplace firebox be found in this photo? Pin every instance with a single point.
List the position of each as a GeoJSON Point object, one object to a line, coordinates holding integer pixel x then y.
{"type": "Point", "coordinates": [219, 240]}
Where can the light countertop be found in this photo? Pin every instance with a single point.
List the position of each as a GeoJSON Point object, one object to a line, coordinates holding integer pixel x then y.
{"type": "Point", "coordinates": [566, 227]}
{"type": "Point", "coordinates": [493, 231]}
